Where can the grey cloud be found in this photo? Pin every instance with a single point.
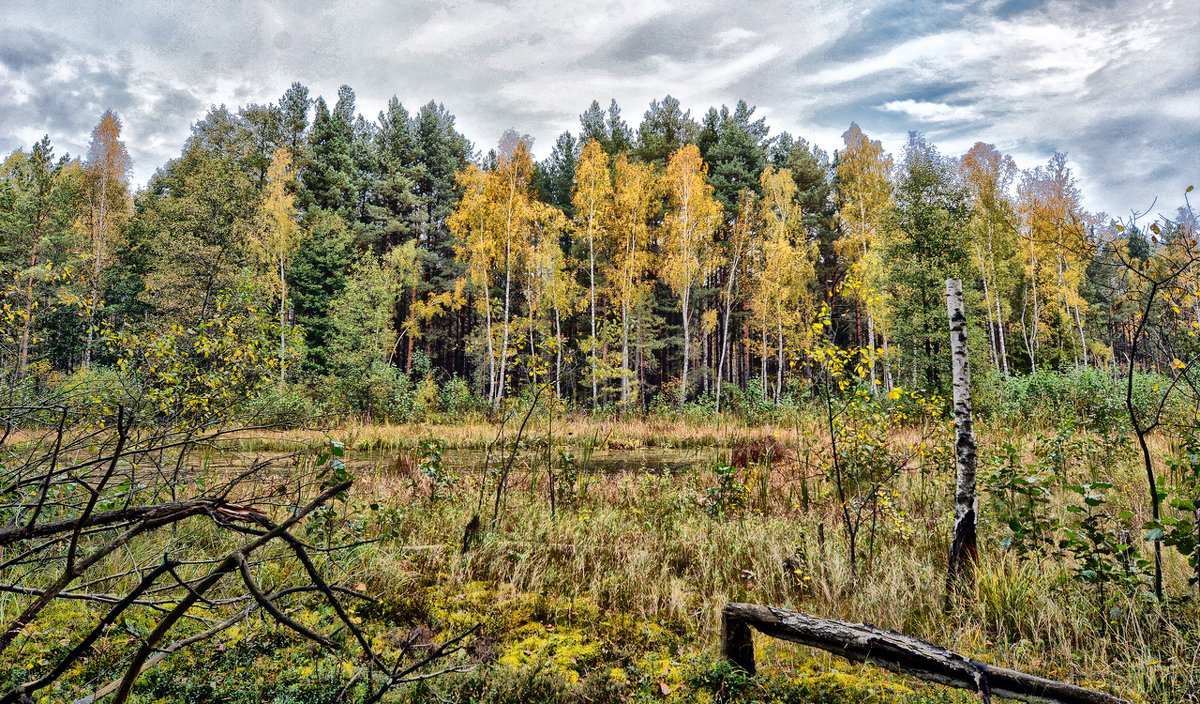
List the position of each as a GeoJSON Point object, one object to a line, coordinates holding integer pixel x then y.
{"type": "Point", "coordinates": [677, 38]}
{"type": "Point", "coordinates": [23, 48]}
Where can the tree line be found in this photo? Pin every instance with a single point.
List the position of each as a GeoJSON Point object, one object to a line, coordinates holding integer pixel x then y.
{"type": "Point", "coordinates": [682, 259]}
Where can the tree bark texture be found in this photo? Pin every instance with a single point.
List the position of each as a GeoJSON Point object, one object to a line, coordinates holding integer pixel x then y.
{"type": "Point", "coordinates": [893, 651]}
{"type": "Point", "coordinates": [964, 550]}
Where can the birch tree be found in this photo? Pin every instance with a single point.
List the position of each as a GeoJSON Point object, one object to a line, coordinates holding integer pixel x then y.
{"type": "Point", "coordinates": [781, 299]}
{"type": "Point", "coordinates": [592, 201]}
{"type": "Point", "coordinates": [278, 235]}
{"type": "Point", "coordinates": [689, 227]}
{"type": "Point", "coordinates": [864, 200]}
{"type": "Point", "coordinates": [636, 202]}
{"type": "Point", "coordinates": [106, 179]}
{"type": "Point", "coordinates": [988, 176]}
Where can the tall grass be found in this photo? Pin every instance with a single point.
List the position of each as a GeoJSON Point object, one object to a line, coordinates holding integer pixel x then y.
{"type": "Point", "coordinates": [639, 547]}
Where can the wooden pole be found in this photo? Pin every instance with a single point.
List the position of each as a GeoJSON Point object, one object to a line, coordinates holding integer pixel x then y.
{"type": "Point", "coordinates": [964, 550]}
{"type": "Point", "coordinates": [894, 651]}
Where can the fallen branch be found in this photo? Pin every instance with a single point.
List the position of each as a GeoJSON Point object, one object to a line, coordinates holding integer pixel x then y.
{"type": "Point", "coordinates": [894, 651]}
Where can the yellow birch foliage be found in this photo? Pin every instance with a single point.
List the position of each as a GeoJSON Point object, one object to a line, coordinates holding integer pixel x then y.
{"type": "Point", "coordinates": [689, 228]}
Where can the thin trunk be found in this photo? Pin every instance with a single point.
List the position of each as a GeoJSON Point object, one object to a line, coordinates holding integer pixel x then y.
{"type": "Point", "coordinates": [28, 324]}
{"type": "Point", "coordinates": [1082, 338]}
{"type": "Point", "coordinates": [1029, 345]}
{"type": "Point", "coordinates": [625, 356]}
{"type": "Point", "coordinates": [871, 342]}
{"type": "Point", "coordinates": [87, 350]}
{"type": "Point", "coordinates": [533, 366]}
{"type": "Point", "coordinates": [592, 296]}
{"type": "Point", "coordinates": [1000, 336]}
{"type": "Point", "coordinates": [999, 310]}
{"type": "Point", "coordinates": [412, 304]}
{"type": "Point", "coordinates": [500, 382]}
{"type": "Point", "coordinates": [779, 360]}
{"type": "Point", "coordinates": [1140, 432]}
{"type": "Point", "coordinates": [763, 357]}
{"type": "Point", "coordinates": [686, 347]}
{"type": "Point", "coordinates": [987, 301]}
{"type": "Point", "coordinates": [487, 306]}
{"type": "Point", "coordinates": [282, 319]}
{"type": "Point", "coordinates": [887, 364]}
{"type": "Point", "coordinates": [1036, 306]}
{"type": "Point", "coordinates": [557, 352]}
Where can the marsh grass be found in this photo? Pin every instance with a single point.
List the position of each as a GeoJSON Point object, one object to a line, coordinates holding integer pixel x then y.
{"type": "Point", "coordinates": [616, 593]}
{"type": "Point", "coordinates": [640, 543]}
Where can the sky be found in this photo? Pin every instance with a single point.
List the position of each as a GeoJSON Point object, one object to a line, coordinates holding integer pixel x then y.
{"type": "Point", "coordinates": [1115, 85]}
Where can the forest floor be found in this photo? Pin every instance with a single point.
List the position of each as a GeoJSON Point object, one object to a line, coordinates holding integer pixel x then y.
{"type": "Point", "coordinates": [607, 586]}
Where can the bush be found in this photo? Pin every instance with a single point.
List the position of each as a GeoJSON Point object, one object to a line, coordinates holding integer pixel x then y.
{"type": "Point", "coordinates": [1092, 397]}
{"type": "Point", "coordinates": [289, 407]}
{"type": "Point", "coordinates": [455, 399]}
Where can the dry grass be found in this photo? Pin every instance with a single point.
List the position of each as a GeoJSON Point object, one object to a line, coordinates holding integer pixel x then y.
{"type": "Point", "coordinates": [641, 543]}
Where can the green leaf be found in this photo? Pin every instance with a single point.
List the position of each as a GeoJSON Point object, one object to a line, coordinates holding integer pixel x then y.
{"type": "Point", "coordinates": [1154, 535]}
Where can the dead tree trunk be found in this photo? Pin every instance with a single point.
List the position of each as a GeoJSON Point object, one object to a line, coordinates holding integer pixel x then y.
{"type": "Point", "coordinates": [964, 550]}
{"type": "Point", "coordinates": [893, 651]}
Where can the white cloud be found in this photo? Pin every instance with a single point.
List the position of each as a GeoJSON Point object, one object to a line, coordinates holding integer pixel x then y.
{"type": "Point", "coordinates": [931, 112]}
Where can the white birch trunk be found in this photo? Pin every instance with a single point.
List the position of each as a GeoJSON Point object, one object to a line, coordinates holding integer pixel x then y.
{"type": "Point", "coordinates": [964, 550]}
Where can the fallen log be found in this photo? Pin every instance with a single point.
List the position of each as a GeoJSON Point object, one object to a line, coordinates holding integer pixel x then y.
{"type": "Point", "coordinates": [894, 651]}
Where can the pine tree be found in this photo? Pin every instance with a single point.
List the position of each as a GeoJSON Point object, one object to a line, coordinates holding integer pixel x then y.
{"type": "Point", "coordinates": [927, 246]}
{"type": "Point", "coordinates": [293, 108]}
{"type": "Point", "coordinates": [560, 173]}
{"type": "Point", "coordinates": [329, 172]}
{"type": "Point", "coordinates": [665, 128]}
{"type": "Point", "coordinates": [39, 199]}
{"type": "Point", "coordinates": [317, 273]}
{"type": "Point", "coordinates": [732, 146]}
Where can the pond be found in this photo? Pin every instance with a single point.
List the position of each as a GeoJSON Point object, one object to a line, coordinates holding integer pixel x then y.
{"type": "Point", "coordinates": [609, 461]}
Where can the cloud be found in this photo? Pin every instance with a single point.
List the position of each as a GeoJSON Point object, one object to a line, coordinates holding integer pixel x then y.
{"type": "Point", "coordinates": [925, 111]}
{"type": "Point", "coordinates": [1115, 85]}
{"type": "Point", "coordinates": [24, 47]}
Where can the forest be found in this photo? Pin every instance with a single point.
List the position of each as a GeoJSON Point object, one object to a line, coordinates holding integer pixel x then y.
{"type": "Point", "coordinates": [347, 409]}
{"type": "Point", "coordinates": [657, 266]}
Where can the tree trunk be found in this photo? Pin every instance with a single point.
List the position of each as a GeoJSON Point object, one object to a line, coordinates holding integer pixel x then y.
{"type": "Point", "coordinates": [283, 320]}
{"type": "Point", "coordinates": [860, 642]}
{"type": "Point", "coordinates": [687, 337]}
{"type": "Point", "coordinates": [964, 550]}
